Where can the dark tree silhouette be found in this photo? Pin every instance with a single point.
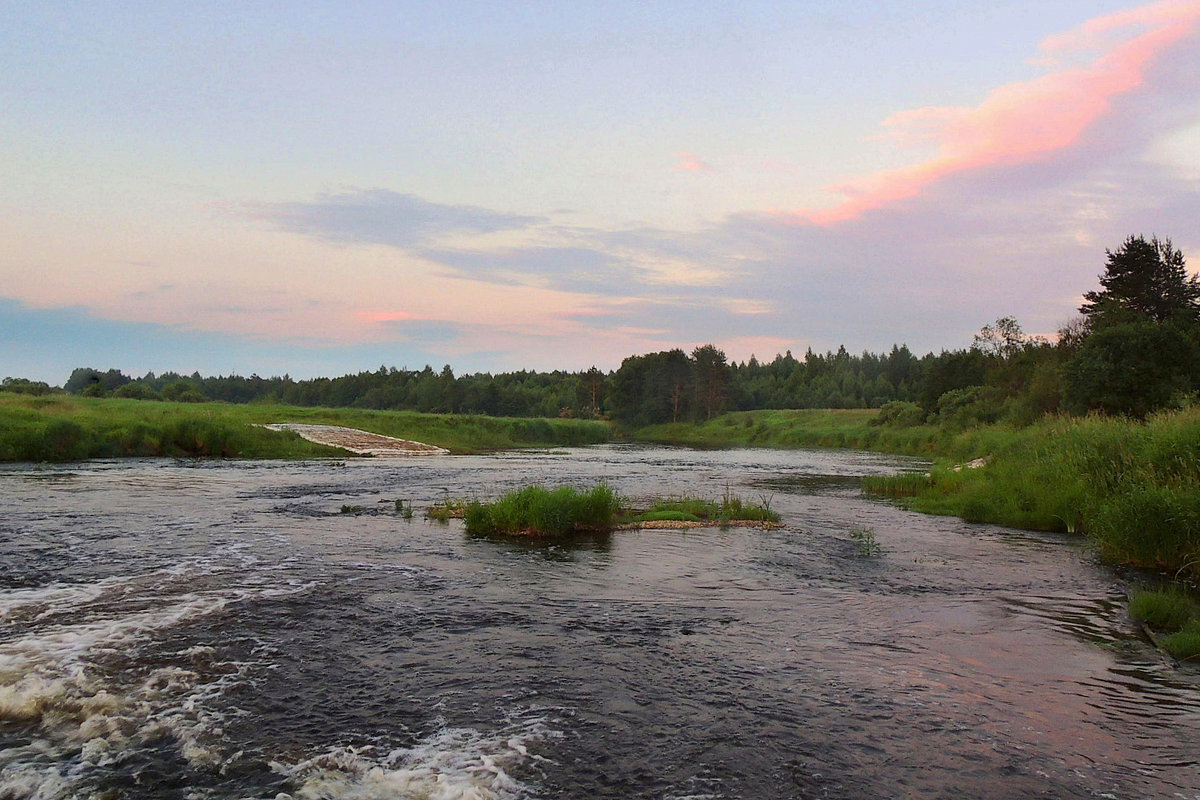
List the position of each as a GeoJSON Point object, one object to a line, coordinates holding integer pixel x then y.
{"type": "Point", "coordinates": [1147, 279]}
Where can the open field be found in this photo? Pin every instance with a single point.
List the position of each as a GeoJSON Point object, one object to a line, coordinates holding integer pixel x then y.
{"type": "Point", "coordinates": [65, 428]}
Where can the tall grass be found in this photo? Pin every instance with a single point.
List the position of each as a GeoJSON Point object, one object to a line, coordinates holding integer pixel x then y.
{"type": "Point", "coordinates": [65, 428]}
{"type": "Point", "coordinates": [842, 428]}
{"type": "Point", "coordinates": [1133, 488]}
{"type": "Point", "coordinates": [538, 511]}
{"type": "Point", "coordinates": [729, 508]}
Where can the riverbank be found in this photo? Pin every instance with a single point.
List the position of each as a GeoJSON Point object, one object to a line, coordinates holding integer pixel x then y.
{"type": "Point", "coordinates": [1132, 488]}
{"type": "Point", "coordinates": [841, 428]}
{"type": "Point", "coordinates": [66, 428]}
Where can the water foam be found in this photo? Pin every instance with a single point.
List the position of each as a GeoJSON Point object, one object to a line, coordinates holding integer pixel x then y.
{"type": "Point", "coordinates": [70, 676]}
{"type": "Point", "coordinates": [452, 764]}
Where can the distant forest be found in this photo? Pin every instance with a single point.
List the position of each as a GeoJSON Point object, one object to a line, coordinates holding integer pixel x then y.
{"type": "Point", "coordinates": [1135, 349]}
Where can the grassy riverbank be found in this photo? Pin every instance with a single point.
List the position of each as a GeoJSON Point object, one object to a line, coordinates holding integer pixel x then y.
{"type": "Point", "coordinates": [65, 428]}
{"type": "Point", "coordinates": [1132, 488]}
{"type": "Point", "coordinates": [841, 428]}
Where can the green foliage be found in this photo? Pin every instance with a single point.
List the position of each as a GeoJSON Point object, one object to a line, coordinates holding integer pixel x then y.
{"type": "Point", "coordinates": [1164, 609]}
{"type": "Point", "coordinates": [405, 510]}
{"type": "Point", "coordinates": [355, 510]}
{"type": "Point", "coordinates": [1133, 368]}
{"type": "Point", "coordinates": [1144, 280]}
{"type": "Point", "coordinates": [667, 516]}
{"type": "Point", "coordinates": [447, 509]}
{"type": "Point", "coordinates": [974, 405]}
{"type": "Point", "coordinates": [1172, 611]}
{"type": "Point", "coordinates": [64, 440]}
{"type": "Point", "coordinates": [899, 414]}
{"type": "Point", "coordinates": [904, 484]}
{"type": "Point", "coordinates": [1184, 644]}
{"type": "Point", "coordinates": [1132, 488]}
{"type": "Point", "coordinates": [110, 428]}
{"type": "Point", "coordinates": [25, 386]}
{"type": "Point", "coordinates": [730, 508]}
{"type": "Point", "coordinates": [537, 511]}
{"type": "Point", "coordinates": [865, 541]}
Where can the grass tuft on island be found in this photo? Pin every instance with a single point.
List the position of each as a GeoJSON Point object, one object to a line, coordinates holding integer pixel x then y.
{"type": "Point", "coordinates": [536, 511]}
{"type": "Point", "coordinates": [1171, 614]}
{"type": "Point", "coordinates": [68, 428]}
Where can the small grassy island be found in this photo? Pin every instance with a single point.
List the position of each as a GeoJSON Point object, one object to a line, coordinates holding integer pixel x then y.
{"type": "Point", "coordinates": [536, 511]}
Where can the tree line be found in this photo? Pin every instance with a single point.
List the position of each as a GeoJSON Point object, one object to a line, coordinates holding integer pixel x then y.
{"type": "Point", "coordinates": [1134, 349]}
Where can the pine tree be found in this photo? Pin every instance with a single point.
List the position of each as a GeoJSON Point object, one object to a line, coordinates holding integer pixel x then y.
{"type": "Point", "coordinates": [1145, 279]}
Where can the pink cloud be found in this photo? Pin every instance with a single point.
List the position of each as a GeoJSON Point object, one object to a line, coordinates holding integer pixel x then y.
{"type": "Point", "coordinates": [690, 162]}
{"type": "Point", "coordinates": [376, 317]}
{"type": "Point", "coordinates": [1020, 122]}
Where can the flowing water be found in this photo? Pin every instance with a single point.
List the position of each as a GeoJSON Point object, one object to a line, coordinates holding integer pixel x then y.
{"type": "Point", "coordinates": [220, 630]}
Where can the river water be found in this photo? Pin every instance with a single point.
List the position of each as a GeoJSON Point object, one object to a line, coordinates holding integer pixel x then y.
{"type": "Point", "coordinates": [220, 630]}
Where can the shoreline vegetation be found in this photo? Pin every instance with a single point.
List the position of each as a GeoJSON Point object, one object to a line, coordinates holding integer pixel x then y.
{"type": "Point", "coordinates": [1132, 487]}
{"type": "Point", "coordinates": [60, 427]}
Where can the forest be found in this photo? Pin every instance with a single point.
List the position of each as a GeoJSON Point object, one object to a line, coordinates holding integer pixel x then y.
{"type": "Point", "coordinates": [1134, 349]}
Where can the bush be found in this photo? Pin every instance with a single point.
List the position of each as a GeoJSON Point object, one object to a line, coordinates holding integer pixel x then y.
{"type": "Point", "coordinates": [200, 437]}
{"type": "Point", "coordinates": [966, 408]}
{"type": "Point", "coordinates": [899, 414]}
{"type": "Point", "coordinates": [64, 440]}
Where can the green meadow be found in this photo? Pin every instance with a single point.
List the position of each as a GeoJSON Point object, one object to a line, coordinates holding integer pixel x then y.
{"type": "Point", "coordinates": [60, 427]}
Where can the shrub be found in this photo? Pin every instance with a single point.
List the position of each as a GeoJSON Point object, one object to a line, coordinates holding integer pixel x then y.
{"type": "Point", "coordinates": [899, 414]}
{"type": "Point", "coordinates": [64, 440]}
{"type": "Point", "coordinates": [965, 408]}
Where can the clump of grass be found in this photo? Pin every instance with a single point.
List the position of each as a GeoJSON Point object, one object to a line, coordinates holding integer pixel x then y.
{"type": "Point", "coordinates": [347, 509]}
{"type": "Point", "coordinates": [1163, 609]}
{"type": "Point", "coordinates": [538, 511]}
{"type": "Point", "coordinates": [730, 508]}
{"type": "Point", "coordinates": [904, 484]}
{"type": "Point", "coordinates": [1171, 611]}
{"type": "Point", "coordinates": [404, 509]}
{"type": "Point", "coordinates": [1184, 644]}
{"type": "Point", "coordinates": [447, 509]}
{"type": "Point", "coordinates": [864, 539]}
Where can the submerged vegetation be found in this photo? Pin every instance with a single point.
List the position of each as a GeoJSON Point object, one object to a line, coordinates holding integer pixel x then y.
{"type": "Point", "coordinates": [57, 427]}
{"type": "Point", "coordinates": [865, 541]}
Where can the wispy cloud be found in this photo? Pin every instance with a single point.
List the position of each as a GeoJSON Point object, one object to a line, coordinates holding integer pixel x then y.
{"type": "Point", "coordinates": [381, 216]}
{"type": "Point", "coordinates": [1021, 122]}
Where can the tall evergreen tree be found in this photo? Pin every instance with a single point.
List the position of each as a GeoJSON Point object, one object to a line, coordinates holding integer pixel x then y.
{"type": "Point", "coordinates": [1146, 279]}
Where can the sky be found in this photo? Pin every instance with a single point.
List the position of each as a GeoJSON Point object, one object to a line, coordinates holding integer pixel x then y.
{"type": "Point", "coordinates": [320, 188]}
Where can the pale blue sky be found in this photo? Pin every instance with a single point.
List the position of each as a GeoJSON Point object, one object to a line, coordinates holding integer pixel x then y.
{"type": "Point", "coordinates": [318, 188]}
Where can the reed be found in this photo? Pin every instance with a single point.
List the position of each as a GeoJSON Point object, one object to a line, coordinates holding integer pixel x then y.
{"type": "Point", "coordinates": [539, 512]}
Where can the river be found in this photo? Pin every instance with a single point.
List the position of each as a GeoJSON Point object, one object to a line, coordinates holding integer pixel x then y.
{"type": "Point", "coordinates": [220, 630]}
